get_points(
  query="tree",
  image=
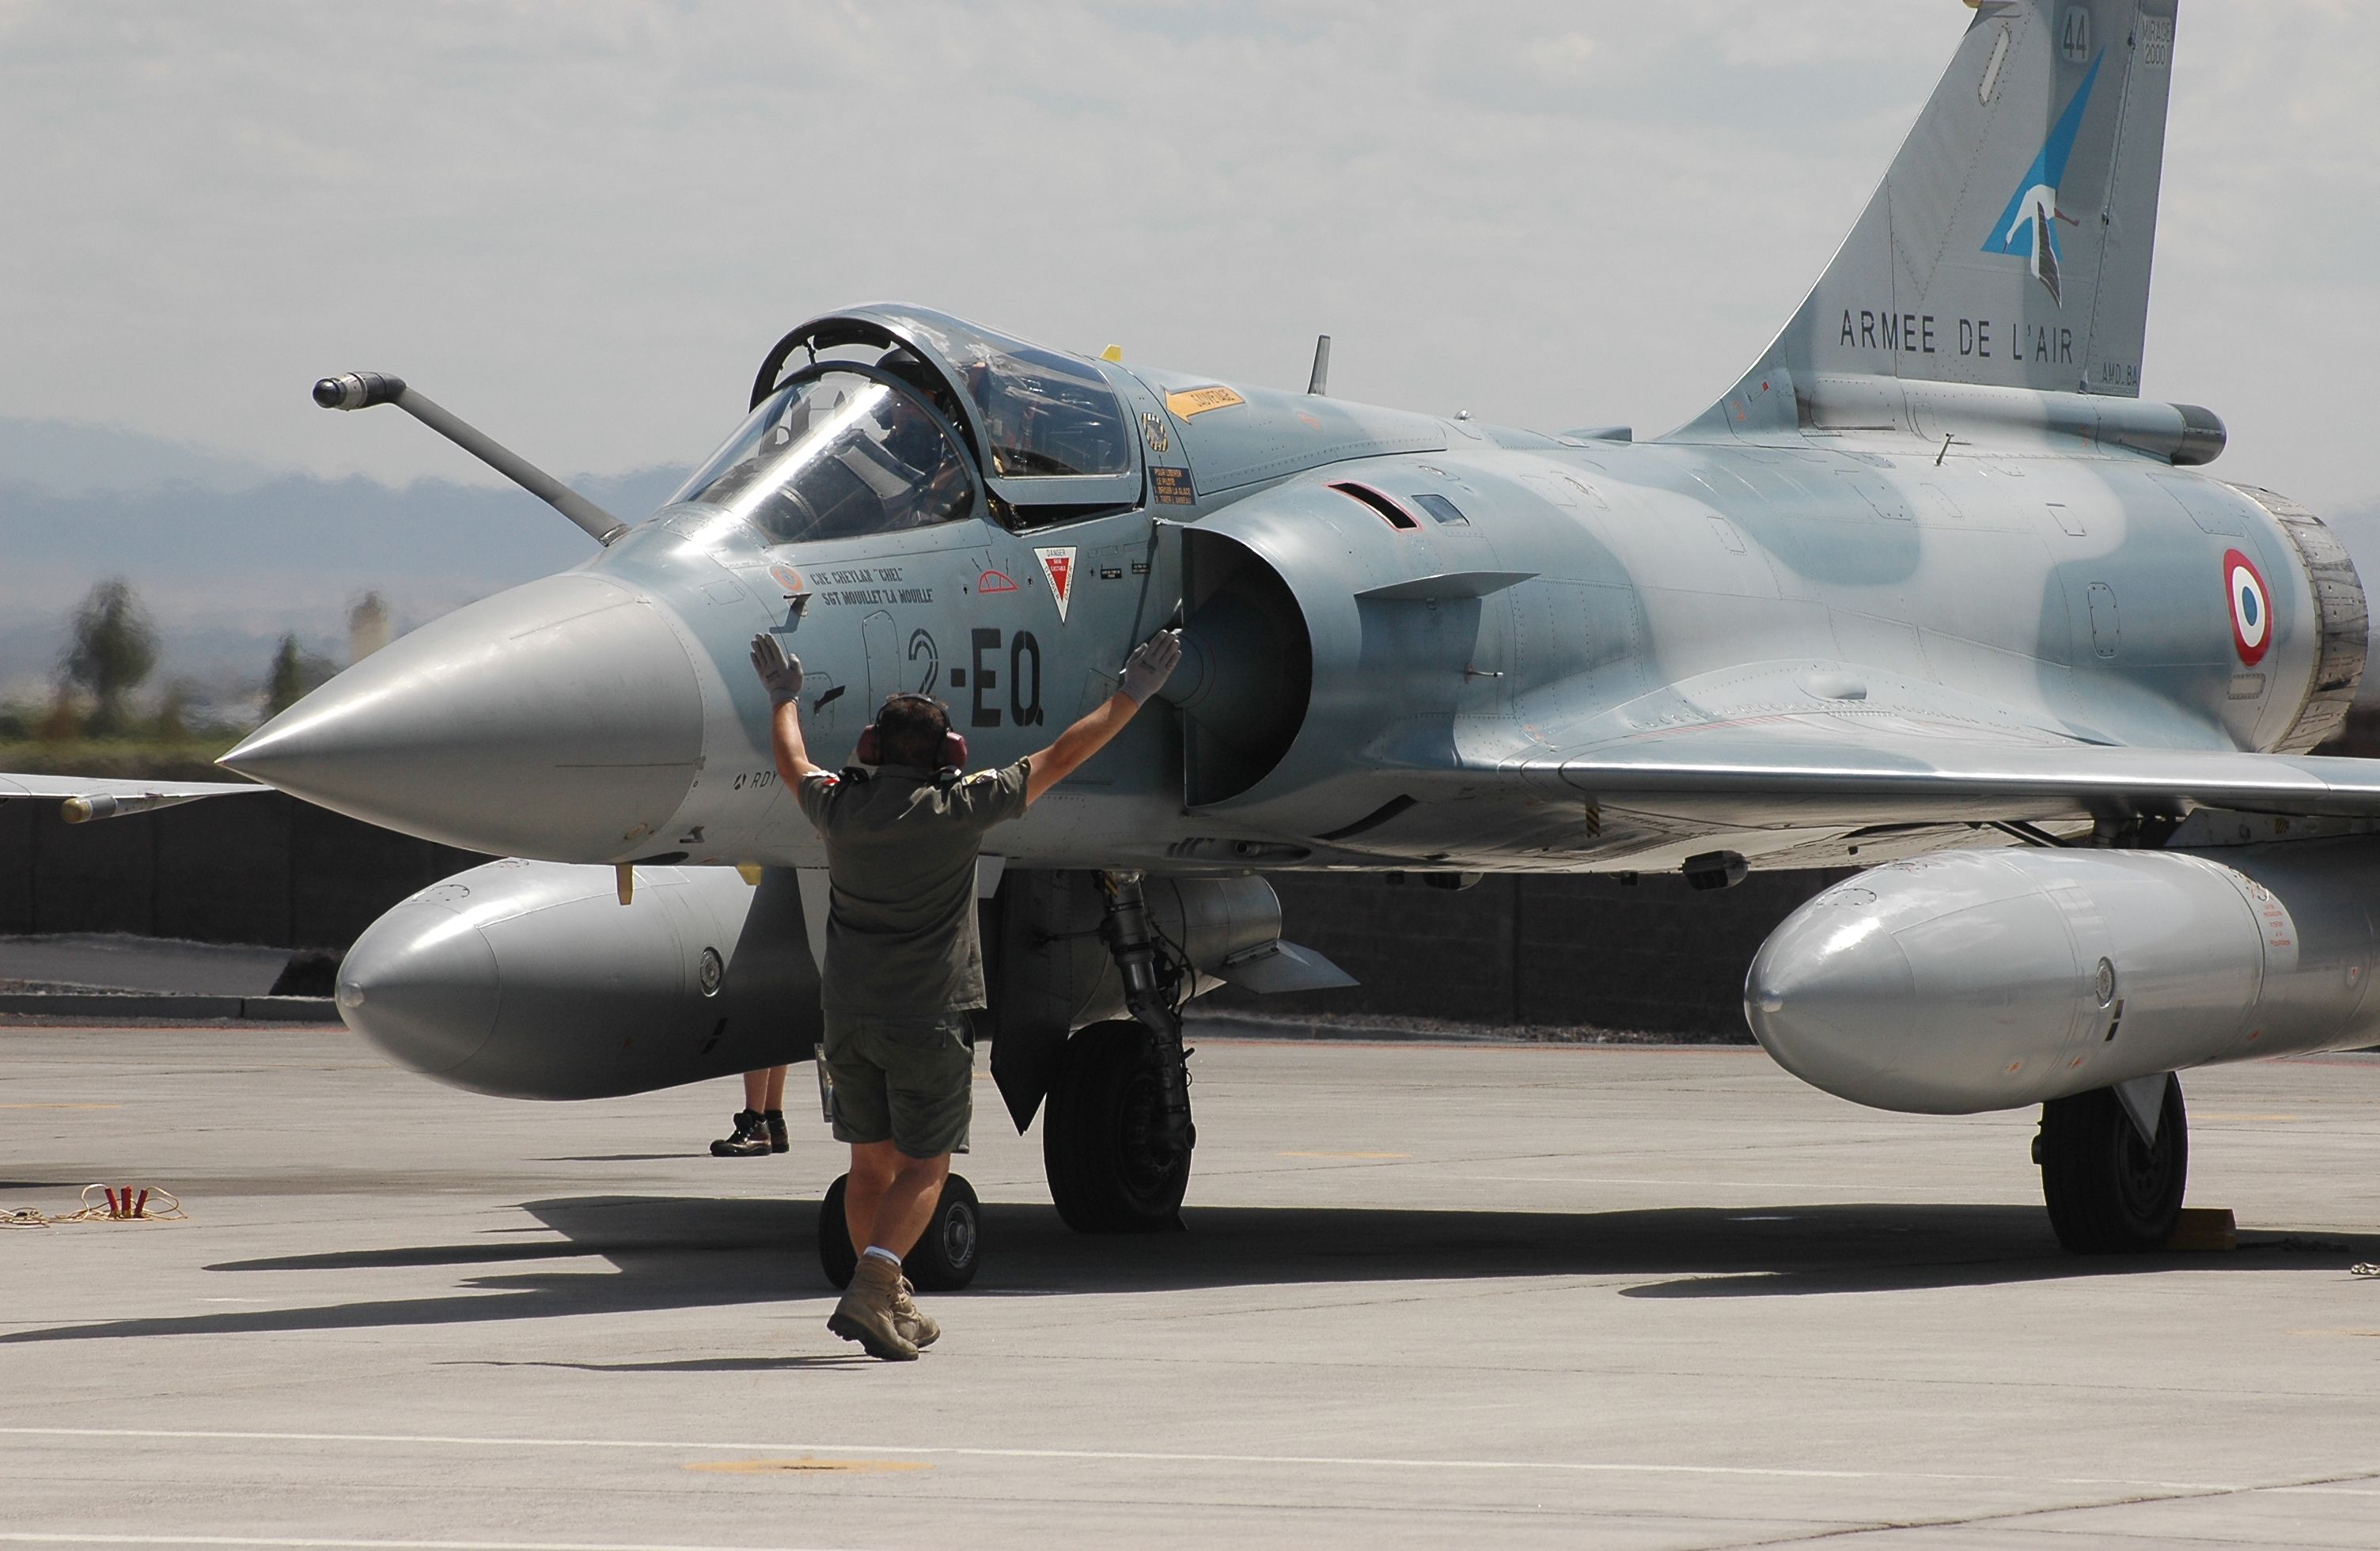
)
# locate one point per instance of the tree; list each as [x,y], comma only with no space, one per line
[172,722]
[114,647]
[295,674]
[366,627]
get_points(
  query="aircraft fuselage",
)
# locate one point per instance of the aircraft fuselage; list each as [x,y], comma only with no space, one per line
[1462,603]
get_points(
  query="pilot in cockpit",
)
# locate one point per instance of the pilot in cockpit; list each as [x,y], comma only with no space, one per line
[925,459]
[834,454]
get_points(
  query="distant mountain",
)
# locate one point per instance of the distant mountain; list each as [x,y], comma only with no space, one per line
[64,455]
[228,555]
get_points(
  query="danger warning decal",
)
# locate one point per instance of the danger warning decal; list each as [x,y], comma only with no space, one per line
[1197,401]
[2251,607]
[1059,566]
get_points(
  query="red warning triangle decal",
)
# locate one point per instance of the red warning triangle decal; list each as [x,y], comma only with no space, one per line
[1058,564]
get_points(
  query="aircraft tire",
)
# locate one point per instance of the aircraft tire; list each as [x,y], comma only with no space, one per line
[1098,1132]
[949,1253]
[2107,1192]
[945,1257]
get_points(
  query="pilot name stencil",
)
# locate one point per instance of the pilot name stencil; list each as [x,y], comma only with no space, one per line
[851,595]
[854,595]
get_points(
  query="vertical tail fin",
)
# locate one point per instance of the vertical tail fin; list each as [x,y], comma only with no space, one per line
[2009,244]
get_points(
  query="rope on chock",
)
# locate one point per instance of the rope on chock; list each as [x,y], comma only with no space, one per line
[125,1203]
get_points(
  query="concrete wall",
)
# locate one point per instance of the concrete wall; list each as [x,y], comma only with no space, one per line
[1658,956]
[270,871]
[265,869]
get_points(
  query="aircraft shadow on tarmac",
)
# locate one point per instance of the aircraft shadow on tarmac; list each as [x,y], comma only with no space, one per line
[674,1253]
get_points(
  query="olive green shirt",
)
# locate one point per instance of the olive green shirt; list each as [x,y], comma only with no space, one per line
[899,857]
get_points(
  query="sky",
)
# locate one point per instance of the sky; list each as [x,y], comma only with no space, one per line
[580,225]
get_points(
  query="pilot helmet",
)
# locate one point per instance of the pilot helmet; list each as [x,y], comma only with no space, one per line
[920,376]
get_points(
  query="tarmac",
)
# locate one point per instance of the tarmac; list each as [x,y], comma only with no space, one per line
[1428,1295]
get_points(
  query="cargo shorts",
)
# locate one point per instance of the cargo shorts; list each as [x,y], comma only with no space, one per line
[907,1080]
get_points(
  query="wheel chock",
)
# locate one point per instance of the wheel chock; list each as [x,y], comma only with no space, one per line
[2203,1229]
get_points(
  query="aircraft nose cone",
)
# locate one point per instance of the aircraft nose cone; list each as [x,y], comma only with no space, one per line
[561,720]
[423,984]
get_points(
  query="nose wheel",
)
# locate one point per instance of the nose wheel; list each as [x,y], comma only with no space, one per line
[1116,1134]
[2109,1190]
[1115,1164]
[945,1257]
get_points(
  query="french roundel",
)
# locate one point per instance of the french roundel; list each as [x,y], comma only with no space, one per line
[2251,607]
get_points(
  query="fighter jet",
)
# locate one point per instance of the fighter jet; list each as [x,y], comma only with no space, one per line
[1932,582]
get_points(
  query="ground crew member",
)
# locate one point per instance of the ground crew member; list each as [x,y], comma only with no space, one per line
[903,965]
[760,1124]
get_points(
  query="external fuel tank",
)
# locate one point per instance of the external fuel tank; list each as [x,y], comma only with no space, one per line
[534,980]
[1990,979]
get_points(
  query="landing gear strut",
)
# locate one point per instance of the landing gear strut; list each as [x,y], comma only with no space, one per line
[1116,1135]
[2109,1190]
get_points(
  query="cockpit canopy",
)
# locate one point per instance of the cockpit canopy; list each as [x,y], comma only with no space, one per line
[1046,434]
[1042,415]
[837,453]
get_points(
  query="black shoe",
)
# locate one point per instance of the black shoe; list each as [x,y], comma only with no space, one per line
[751,1138]
[778,1142]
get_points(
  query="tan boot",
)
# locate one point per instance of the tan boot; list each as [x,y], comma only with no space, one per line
[866,1313]
[910,1320]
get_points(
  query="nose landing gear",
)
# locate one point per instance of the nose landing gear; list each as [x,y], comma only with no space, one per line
[2113,1183]
[1116,1134]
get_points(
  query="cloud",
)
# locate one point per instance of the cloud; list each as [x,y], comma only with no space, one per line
[1564,58]
[580,225]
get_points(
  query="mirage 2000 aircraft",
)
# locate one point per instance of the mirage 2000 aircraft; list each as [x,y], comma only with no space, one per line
[1932,580]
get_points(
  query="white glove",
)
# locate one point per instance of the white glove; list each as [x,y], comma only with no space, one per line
[1150,664]
[780,675]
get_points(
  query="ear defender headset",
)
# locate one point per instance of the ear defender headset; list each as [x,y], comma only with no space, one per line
[871,740]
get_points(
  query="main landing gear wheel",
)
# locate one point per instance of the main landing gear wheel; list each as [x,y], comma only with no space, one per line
[945,1257]
[2109,1191]
[1101,1135]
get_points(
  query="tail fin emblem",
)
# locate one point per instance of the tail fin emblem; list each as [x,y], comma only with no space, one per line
[2028,225]
[2044,249]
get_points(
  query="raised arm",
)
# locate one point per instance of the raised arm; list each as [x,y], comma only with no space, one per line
[781,677]
[1145,673]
